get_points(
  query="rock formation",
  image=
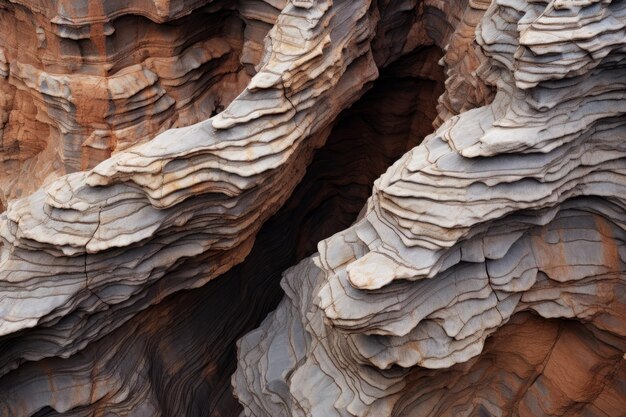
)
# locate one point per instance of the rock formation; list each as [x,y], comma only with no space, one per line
[484,276]
[81,80]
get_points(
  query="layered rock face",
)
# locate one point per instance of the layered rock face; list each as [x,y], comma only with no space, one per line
[82,80]
[484,276]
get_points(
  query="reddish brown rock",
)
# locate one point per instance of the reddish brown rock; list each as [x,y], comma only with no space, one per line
[81,81]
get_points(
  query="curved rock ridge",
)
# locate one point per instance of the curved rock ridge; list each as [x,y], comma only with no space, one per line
[187,192]
[485,275]
[519,205]
[84,254]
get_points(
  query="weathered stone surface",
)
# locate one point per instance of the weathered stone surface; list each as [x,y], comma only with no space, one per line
[182,350]
[85,254]
[484,276]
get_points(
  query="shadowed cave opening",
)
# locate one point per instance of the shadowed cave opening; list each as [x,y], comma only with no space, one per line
[189,340]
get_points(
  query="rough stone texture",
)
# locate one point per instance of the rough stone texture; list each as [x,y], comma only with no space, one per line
[182,350]
[81,80]
[484,276]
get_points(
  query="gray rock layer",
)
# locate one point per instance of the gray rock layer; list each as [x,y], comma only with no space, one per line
[484,276]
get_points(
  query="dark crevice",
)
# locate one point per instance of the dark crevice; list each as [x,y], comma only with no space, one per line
[45,412]
[391,118]
[188,341]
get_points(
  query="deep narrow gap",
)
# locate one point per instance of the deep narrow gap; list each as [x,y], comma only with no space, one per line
[391,118]
[189,339]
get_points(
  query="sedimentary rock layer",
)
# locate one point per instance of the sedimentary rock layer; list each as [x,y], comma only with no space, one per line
[81,80]
[176,358]
[516,206]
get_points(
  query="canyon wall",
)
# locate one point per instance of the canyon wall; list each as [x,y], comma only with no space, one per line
[162,163]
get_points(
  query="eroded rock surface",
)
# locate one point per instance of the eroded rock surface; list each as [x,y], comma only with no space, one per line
[82,80]
[487,258]
[83,256]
